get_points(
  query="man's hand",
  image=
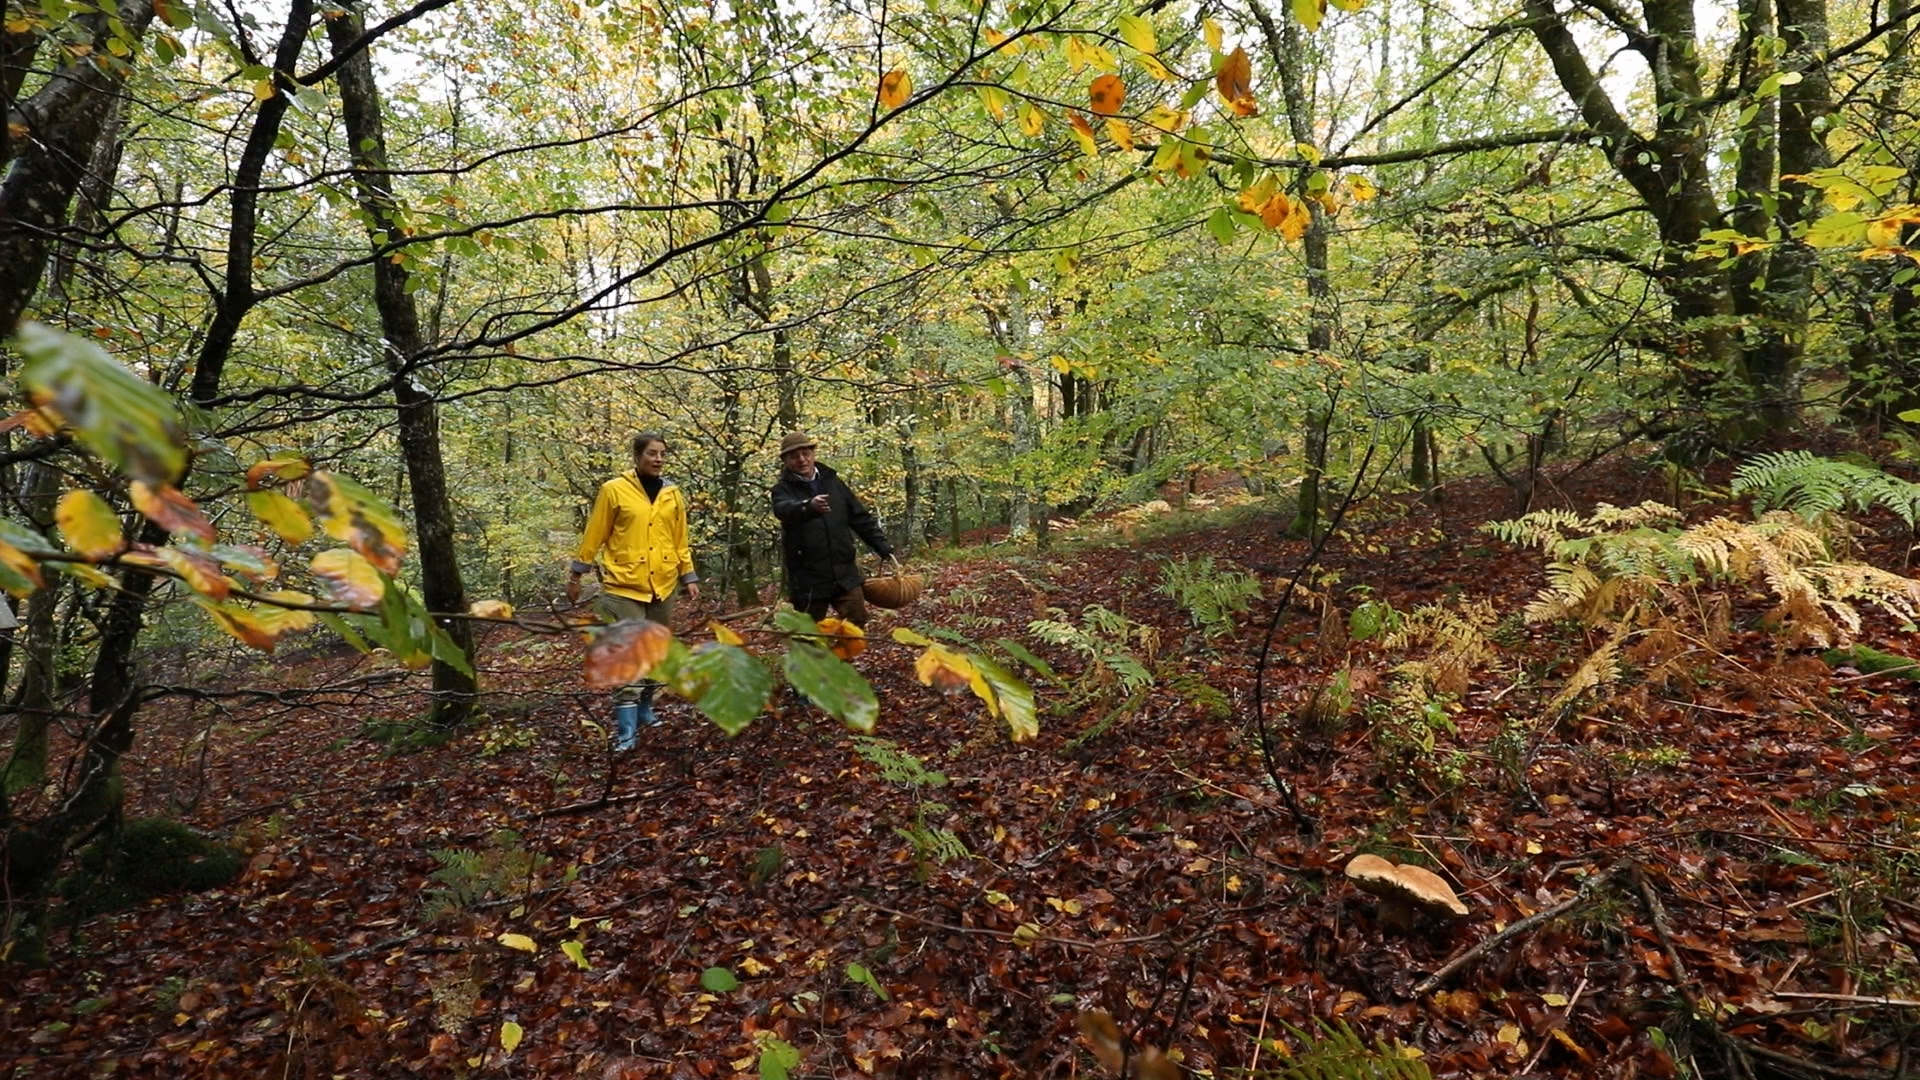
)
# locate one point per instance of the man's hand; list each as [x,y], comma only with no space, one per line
[819,504]
[693,591]
[573,588]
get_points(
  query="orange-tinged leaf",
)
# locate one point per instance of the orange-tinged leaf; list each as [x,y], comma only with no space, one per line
[89,525]
[1168,120]
[1257,193]
[242,624]
[283,620]
[249,560]
[993,37]
[1107,93]
[1083,134]
[358,518]
[1294,226]
[490,609]
[1883,233]
[724,634]
[1276,210]
[1121,133]
[1152,1063]
[1032,120]
[1234,80]
[284,516]
[625,652]
[276,471]
[895,88]
[200,572]
[844,638]
[351,580]
[166,507]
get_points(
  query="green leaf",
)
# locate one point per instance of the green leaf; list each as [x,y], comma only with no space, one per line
[1021,653]
[858,973]
[833,685]
[1195,92]
[127,421]
[728,684]
[778,1058]
[1220,224]
[1309,13]
[577,953]
[910,637]
[794,621]
[1911,416]
[510,1036]
[719,980]
[1013,699]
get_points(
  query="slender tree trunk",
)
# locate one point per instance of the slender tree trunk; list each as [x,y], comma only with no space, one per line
[419,429]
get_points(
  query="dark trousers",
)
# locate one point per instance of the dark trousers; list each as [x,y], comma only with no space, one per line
[850,605]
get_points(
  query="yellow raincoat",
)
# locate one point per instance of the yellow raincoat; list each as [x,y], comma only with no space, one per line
[641,543]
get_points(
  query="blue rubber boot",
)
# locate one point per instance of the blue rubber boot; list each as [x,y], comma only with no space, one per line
[626,719]
[647,716]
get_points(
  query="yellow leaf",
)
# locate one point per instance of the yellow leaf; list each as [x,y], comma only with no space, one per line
[1362,188]
[1026,934]
[263,90]
[844,638]
[23,565]
[510,1036]
[1121,134]
[280,620]
[1309,13]
[241,623]
[753,967]
[1106,94]
[1883,233]
[490,609]
[1156,69]
[1349,5]
[274,471]
[577,953]
[1167,155]
[1168,120]
[1138,33]
[994,37]
[89,524]
[351,580]
[945,670]
[1508,1034]
[1032,121]
[1556,1001]
[200,573]
[518,941]
[724,634]
[1060,363]
[1212,31]
[281,514]
[358,518]
[1256,194]
[895,88]
[1077,57]
[995,100]
[1083,133]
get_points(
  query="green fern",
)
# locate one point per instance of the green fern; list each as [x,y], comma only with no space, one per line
[896,765]
[1212,597]
[1813,486]
[1338,1053]
[1108,640]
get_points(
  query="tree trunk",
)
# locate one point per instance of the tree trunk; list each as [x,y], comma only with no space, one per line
[419,429]
[62,122]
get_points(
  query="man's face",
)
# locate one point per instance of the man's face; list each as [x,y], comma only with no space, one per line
[800,461]
[652,460]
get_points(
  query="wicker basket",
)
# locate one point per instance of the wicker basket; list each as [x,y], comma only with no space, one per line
[893,589]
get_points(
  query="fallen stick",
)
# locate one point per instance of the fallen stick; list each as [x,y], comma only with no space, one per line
[1452,967]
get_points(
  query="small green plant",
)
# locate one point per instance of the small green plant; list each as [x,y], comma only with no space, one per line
[468,877]
[1118,649]
[931,844]
[146,857]
[1214,597]
[506,736]
[1337,1052]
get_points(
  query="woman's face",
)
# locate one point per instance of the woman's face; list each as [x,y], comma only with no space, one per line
[652,460]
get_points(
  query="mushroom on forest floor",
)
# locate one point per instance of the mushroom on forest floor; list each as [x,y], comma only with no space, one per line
[1404,891]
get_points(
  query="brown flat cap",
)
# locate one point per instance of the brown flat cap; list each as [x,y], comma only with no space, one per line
[795,440]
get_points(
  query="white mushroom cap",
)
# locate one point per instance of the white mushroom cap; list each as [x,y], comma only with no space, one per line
[1371,872]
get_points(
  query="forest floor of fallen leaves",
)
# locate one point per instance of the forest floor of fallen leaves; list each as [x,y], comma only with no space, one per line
[1711,874]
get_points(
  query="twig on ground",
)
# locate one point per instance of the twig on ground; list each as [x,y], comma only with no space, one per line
[1453,967]
[1854,999]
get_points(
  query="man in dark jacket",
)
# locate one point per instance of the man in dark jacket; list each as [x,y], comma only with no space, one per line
[819,516]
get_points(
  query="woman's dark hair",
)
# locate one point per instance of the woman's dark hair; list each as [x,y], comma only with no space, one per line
[646,439]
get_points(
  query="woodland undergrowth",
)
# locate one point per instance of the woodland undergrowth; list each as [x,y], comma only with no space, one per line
[1685,840]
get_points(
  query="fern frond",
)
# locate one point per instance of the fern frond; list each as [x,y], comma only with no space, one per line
[1811,486]
[1600,669]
